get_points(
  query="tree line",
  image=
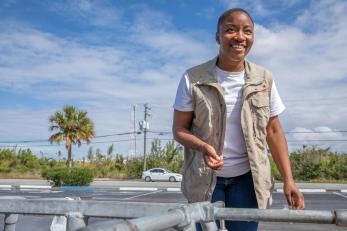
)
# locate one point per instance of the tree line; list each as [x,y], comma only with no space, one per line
[24,163]
[308,164]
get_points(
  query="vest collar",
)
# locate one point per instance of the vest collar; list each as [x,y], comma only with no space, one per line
[210,75]
[253,77]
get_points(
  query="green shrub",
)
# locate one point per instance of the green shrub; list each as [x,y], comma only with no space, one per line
[55,176]
[134,167]
[21,168]
[27,159]
[66,177]
[5,170]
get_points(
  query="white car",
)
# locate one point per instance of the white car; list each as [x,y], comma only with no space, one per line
[161,174]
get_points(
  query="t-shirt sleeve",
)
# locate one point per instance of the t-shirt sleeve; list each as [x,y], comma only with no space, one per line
[183,100]
[277,106]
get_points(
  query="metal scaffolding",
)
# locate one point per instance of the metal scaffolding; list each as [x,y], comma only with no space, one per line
[137,216]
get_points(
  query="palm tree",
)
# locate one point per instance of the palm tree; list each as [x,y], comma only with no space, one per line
[73,126]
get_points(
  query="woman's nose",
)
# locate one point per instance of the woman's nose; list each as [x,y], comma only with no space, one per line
[239,36]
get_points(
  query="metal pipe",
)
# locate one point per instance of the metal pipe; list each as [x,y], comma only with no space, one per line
[341,217]
[149,223]
[112,225]
[11,218]
[275,215]
[75,221]
[162,222]
[10,222]
[112,209]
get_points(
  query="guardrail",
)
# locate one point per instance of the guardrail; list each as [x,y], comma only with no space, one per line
[154,216]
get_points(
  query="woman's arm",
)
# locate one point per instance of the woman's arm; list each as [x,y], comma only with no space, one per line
[181,132]
[279,151]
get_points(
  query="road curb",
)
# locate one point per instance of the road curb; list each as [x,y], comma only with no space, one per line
[170,189]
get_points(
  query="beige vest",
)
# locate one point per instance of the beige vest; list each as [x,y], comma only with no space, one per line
[209,125]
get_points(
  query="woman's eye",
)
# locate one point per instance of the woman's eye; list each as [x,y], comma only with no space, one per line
[230,30]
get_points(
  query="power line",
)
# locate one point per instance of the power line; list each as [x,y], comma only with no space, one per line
[46,140]
[61,145]
[163,133]
[315,140]
[341,131]
[315,99]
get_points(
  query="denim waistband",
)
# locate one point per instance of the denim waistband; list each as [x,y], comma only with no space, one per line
[235,177]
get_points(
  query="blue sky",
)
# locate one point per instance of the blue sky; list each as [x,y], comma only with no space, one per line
[104,56]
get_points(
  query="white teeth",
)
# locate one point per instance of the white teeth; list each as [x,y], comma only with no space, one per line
[237,46]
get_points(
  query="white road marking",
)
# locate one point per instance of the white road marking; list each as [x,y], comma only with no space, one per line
[128,198]
[137,189]
[339,194]
[35,186]
[344,190]
[313,190]
[173,190]
[306,190]
[5,186]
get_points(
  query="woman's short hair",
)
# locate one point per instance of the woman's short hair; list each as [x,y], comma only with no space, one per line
[230,11]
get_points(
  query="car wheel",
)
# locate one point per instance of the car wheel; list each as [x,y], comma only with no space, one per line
[148,179]
[172,179]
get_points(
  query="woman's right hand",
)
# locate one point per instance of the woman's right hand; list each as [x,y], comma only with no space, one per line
[211,158]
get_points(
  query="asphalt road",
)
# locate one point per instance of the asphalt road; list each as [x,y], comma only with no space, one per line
[111,183]
[314,201]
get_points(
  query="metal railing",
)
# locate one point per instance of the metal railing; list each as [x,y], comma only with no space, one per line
[142,216]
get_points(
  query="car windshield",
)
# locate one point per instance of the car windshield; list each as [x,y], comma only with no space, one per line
[168,171]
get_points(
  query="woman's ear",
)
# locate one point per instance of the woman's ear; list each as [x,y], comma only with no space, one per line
[217,37]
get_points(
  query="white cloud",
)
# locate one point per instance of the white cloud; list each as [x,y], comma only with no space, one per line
[259,7]
[97,13]
[318,133]
[154,30]
[322,137]
[307,65]
[104,80]
[328,15]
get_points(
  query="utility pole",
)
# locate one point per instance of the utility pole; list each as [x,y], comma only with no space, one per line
[134,126]
[145,126]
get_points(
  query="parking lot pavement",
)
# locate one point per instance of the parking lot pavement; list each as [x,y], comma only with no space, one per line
[117,184]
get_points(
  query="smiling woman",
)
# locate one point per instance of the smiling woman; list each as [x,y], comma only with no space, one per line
[226,110]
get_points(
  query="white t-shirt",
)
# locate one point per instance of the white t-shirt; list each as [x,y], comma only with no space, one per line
[234,153]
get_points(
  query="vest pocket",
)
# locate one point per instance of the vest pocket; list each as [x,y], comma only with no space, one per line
[195,177]
[260,107]
[260,100]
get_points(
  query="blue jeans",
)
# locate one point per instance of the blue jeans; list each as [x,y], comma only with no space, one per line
[236,192]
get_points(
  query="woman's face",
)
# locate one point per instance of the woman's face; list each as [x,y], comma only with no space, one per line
[235,37]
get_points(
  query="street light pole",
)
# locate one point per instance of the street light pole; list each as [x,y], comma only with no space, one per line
[145,127]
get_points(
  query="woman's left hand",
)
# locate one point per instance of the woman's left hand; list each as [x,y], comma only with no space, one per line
[294,197]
